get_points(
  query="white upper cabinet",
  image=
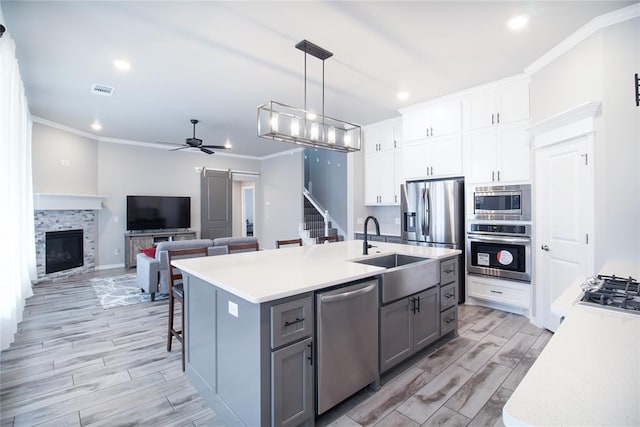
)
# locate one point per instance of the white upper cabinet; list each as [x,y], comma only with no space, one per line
[433,158]
[432,120]
[382,174]
[502,104]
[500,154]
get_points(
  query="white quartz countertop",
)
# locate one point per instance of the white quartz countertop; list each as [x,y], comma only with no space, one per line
[277,273]
[589,372]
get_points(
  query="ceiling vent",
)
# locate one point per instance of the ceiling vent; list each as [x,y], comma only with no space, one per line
[103,90]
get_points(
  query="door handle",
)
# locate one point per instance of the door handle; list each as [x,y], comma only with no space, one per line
[544,248]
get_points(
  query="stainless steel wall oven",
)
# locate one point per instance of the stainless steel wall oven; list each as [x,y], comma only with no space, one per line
[500,250]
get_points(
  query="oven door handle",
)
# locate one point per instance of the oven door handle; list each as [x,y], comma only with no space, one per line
[501,239]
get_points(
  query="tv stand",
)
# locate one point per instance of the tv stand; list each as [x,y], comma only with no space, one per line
[136,240]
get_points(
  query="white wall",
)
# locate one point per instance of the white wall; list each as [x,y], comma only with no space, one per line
[281,199]
[63,162]
[601,68]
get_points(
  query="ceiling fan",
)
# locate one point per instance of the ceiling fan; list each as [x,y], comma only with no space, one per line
[194,142]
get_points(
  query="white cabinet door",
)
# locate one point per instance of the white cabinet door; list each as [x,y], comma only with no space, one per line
[514,154]
[380,179]
[415,159]
[381,136]
[434,120]
[447,156]
[512,102]
[477,109]
[480,155]
[433,158]
[498,154]
[499,105]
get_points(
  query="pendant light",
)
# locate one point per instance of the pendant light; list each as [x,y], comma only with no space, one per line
[280,122]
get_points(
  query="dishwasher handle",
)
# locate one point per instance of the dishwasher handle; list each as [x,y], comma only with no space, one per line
[347,295]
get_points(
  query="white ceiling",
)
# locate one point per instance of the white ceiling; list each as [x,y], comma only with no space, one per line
[217,61]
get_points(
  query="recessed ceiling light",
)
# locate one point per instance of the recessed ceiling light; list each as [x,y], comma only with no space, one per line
[96,125]
[402,95]
[517,22]
[227,144]
[121,64]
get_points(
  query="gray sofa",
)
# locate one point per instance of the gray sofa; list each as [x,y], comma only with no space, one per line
[152,273]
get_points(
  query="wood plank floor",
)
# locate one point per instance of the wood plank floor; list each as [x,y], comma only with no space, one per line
[74,363]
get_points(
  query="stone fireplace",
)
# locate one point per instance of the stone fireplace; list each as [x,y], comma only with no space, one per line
[58,216]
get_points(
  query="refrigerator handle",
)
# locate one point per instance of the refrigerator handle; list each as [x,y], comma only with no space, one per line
[421,213]
[428,212]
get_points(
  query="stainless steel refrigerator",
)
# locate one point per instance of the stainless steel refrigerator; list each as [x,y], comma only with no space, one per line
[433,215]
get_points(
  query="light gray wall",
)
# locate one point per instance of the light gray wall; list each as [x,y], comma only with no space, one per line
[281,198]
[327,172]
[63,162]
[601,68]
[129,170]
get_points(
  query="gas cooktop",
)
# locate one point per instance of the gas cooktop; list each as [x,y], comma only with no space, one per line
[611,292]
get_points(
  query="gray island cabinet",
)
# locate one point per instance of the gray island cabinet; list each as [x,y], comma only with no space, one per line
[252,362]
[250,325]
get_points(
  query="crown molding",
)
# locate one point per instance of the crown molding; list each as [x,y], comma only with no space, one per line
[65,128]
[596,24]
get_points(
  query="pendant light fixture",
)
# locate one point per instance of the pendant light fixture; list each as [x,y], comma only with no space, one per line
[281,122]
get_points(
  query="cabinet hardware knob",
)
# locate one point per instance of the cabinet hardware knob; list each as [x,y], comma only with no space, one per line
[544,248]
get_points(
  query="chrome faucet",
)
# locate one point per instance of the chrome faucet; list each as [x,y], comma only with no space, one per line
[365,244]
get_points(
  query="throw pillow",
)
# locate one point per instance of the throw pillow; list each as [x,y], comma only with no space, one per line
[150,252]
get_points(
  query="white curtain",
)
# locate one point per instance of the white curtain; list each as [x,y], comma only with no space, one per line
[17,250]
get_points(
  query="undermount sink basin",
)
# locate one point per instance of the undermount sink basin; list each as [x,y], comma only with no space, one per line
[391,261]
[404,275]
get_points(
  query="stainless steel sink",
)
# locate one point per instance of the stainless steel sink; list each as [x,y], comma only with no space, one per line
[391,261]
[404,274]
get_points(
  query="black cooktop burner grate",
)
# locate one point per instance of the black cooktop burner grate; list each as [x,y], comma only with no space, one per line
[618,292]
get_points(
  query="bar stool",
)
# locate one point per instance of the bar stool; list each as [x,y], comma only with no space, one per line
[176,292]
[288,242]
[327,239]
[243,247]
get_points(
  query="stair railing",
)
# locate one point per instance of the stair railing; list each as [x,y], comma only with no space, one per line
[322,211]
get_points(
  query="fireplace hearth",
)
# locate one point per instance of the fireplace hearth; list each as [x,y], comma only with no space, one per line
[64,250]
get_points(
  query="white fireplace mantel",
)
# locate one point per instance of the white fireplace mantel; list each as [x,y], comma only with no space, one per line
[55,201]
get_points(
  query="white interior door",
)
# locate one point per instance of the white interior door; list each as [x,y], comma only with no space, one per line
[563,215]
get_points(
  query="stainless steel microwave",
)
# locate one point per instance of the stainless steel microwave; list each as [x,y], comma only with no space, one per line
[502,202]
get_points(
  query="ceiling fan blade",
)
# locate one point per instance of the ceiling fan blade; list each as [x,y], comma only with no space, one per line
[217,147]
[180,148]
[205,150]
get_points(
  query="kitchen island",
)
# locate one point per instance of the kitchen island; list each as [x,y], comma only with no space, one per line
[589,372]
[249,324]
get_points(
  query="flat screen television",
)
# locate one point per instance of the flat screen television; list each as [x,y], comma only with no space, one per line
[158,212]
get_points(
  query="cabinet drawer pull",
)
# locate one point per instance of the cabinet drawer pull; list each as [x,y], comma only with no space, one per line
[449,295]
[448,320]
[496,292]
[286,323]
[449,271]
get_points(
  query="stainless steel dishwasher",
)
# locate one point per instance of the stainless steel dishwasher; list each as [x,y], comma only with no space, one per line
[347,341]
